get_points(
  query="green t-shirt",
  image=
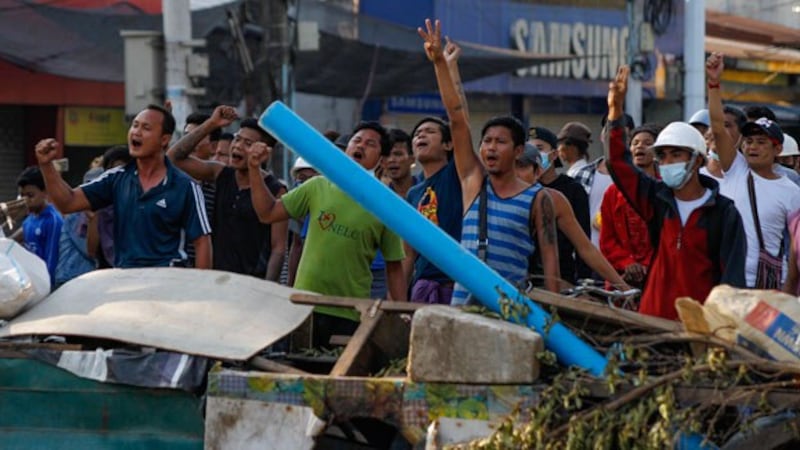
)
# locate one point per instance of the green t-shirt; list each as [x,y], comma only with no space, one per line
[341,243]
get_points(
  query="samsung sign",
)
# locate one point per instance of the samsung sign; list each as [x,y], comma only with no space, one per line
[597,50]
[593,41]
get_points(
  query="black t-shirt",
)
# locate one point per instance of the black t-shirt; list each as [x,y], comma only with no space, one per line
[571,266]
[239,238]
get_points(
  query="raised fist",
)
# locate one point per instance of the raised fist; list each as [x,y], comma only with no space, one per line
[223,115]
[46,151]
[258,153]
[714,67]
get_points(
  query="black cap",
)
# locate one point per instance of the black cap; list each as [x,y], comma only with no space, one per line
[764,126]
[543,134]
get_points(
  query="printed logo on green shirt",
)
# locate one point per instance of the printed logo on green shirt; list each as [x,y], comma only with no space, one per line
[327,222]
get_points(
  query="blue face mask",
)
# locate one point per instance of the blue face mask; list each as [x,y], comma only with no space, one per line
[713,155]
[674,175]
[545,161]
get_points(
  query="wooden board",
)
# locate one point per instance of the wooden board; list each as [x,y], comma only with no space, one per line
[202,312]
[381,336]
[356,303]
[603,312]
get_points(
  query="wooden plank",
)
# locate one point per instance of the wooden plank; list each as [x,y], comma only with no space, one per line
[356,303]
[779,399]
[17,349]
[39,346]
[603,312]
[272,366]
[355,358]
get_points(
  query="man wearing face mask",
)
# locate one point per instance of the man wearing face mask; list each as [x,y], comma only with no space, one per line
[697,233]
[572,266]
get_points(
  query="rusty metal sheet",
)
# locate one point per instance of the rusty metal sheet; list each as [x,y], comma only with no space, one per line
[202,312]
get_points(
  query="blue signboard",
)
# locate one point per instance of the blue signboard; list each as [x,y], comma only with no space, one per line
[430,104]
[596,39]
[411,13]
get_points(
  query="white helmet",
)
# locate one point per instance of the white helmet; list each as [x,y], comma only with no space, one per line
[681,134]
[789,146]
[299,164]
[701,117]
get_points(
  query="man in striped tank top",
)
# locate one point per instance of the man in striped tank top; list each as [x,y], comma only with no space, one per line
[515,209]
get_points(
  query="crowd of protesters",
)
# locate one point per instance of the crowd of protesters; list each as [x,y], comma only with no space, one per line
[672,210]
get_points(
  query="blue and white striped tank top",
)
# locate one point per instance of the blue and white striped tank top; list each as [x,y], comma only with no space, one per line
[508,232]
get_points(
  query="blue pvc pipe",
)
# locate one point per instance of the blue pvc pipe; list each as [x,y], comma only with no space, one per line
[420,233]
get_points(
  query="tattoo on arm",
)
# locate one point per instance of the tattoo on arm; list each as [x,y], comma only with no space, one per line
[548,219]
[462,95]
[185,145]
[182,149]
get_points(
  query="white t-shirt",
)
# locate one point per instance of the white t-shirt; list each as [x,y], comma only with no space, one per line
[704,171]
[686,207]
[576,166]
[775,199]
[600,183]
[793,176]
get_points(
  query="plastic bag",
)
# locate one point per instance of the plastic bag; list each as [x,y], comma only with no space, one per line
[763,321]
[24,279]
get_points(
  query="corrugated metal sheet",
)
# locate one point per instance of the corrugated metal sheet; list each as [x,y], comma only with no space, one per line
[43,407]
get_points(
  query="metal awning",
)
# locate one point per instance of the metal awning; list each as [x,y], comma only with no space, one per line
[781,59]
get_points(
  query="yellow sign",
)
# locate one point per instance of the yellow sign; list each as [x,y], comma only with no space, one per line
[94,127]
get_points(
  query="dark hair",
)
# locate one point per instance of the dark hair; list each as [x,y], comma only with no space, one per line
[386,144]
[197,118]
[444,128]
[114,154]
[331,135]
[263,135]
[168,123]
[215,134]
[626,117]
[398,136]
[31,176]
[741,119]
[651,128]
[226,136]
[513,125]
[754,112]
[582,146]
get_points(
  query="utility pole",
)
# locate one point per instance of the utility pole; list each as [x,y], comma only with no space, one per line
[633,98]
[694,39]
[177,50]
[277,19]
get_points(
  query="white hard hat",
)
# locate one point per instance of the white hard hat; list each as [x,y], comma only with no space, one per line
[299,164]
[700,117]
[681,134]
[789,146]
